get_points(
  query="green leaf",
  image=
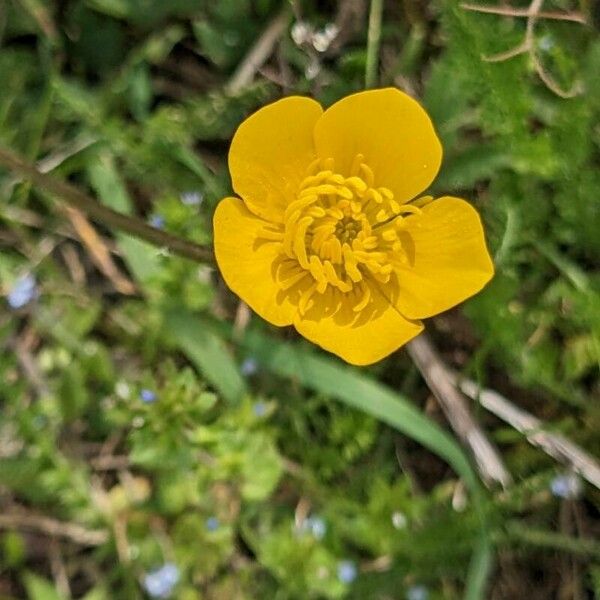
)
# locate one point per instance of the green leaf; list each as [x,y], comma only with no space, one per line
[477,163]
[261,468]
[18,473]
[329,376]
[40,589]
[142,258]
[208,352]
[145,13]
[13,549]
[73,392]
[97,593]
[479,569]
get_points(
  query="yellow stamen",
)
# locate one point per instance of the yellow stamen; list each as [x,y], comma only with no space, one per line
[357,164]
[299,242]
[367,174]
[331,233]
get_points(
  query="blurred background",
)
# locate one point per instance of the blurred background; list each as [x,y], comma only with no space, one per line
[148,449]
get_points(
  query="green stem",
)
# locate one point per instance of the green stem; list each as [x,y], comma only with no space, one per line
[569,269]
[101,213]
[373,40]
[552,540]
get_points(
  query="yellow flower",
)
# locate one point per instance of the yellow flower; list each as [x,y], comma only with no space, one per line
[330,235]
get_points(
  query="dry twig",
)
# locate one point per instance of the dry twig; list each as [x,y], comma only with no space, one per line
[259,53]
[444,382]
[54,528]
[59,569]
[554,444]
[81,201]
[99,251]
[243,315]
[441,382]
[527,46]
[507,11]
[110,462]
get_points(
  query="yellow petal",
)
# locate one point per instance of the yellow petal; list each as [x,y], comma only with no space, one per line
[448,259]
[270,152]
[391,130]
[367,338]
[246,260]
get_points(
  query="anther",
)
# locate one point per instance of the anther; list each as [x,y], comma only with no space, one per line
[386,193]
[357,183]
[381,216]
[314,165]
[367,175]
[299,244]
[357,164]
[373,193]
[312,180]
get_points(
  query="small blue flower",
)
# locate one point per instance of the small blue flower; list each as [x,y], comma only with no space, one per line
[546,43]
[191,198]
[23,291]
[170,574]
[318,527]
[157,221]
[314,525]
[259,409]
[417,592]
[160,582]
[566,486]
[249,367]
[212,523]
[147,396]
[346,571]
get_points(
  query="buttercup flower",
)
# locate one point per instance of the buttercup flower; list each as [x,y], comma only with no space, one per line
[331,235]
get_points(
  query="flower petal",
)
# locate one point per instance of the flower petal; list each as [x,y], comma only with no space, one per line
[372,335]
[270,152]
[391,130]
[246,260]
[450,262]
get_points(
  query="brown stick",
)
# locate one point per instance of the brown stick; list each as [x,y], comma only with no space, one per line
[98,250]
[48,526]
[101,213]
[554,444]
[441,382]
[259,53]
[507,11]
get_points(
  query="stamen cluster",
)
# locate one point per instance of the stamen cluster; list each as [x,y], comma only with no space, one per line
[340,235]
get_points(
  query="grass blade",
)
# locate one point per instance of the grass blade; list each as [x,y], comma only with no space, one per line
[207,350]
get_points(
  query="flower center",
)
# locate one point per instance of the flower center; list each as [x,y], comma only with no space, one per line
[341,235]
[346,230]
